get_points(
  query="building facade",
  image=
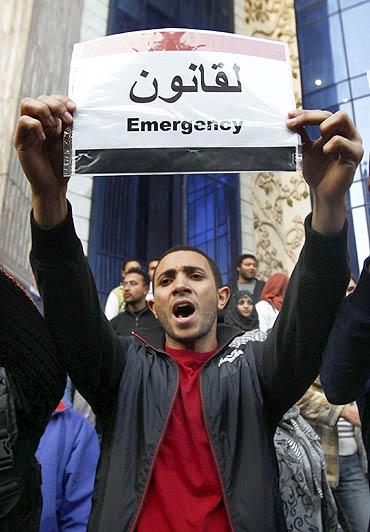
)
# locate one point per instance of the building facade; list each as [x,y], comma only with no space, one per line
[335,66]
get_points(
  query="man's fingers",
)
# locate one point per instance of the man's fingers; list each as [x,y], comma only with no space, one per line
[350,151]
[301,118]
[60,106]
[26,127]
[330,124]
[339,124]
[48,109]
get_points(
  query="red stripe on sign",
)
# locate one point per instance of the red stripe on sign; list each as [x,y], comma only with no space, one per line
[183,40]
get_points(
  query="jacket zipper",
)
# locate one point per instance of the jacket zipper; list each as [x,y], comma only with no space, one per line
[149,477]
[212,448]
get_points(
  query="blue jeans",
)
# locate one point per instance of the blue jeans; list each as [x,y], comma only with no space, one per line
[352,494]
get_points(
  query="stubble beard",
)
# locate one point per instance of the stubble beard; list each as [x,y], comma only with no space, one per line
[205,324]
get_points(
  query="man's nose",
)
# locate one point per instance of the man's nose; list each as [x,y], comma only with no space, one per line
[181,284]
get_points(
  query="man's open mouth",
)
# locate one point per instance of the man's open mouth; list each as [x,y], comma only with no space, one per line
[183,310]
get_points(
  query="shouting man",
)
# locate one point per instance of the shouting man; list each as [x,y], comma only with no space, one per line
[188,422]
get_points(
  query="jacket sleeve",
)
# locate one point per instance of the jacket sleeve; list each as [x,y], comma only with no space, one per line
[78,482]
[29,354]
[345,369]
[89,350]
[315,407]
[288,361]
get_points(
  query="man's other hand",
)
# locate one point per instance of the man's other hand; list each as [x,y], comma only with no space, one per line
[38,140]
[351,414]
[329,163]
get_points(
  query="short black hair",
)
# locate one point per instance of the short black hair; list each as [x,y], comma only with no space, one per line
[144,275]
[243,257]
[182,247]
[124,264]
[157,259]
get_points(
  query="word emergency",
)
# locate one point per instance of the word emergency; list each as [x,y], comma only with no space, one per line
[186,127]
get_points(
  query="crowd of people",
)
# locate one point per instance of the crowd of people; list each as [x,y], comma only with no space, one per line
[190,404]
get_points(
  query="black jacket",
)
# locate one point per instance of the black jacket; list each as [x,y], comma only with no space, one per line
[131,383]
[127,321]
[35,382]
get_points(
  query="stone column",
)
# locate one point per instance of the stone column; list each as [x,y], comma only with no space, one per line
[280,200]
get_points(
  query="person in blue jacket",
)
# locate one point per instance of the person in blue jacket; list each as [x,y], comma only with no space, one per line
[68,453]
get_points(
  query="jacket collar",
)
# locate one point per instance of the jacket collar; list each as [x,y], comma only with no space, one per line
[154,336]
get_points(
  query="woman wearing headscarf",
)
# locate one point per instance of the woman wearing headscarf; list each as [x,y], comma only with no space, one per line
[271,300]
[241,312]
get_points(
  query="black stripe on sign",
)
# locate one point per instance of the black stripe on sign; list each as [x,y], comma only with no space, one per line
[184,160]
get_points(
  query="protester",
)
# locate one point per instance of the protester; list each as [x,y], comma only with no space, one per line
[137,314]
[176,454]
[241,313]
[30,389]
[345,370]
[340,435]
[68,453]
[116,300]
[246,269]
[304,488]
[271,300]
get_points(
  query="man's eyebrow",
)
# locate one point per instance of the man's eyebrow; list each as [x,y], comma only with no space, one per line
[171,272]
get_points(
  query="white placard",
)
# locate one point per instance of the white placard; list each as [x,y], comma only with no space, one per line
[181,101]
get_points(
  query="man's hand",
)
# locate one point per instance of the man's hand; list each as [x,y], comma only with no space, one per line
[329,163]
[39,144]
[351,414]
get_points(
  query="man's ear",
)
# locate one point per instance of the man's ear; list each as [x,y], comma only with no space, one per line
[223,297]
[151,305]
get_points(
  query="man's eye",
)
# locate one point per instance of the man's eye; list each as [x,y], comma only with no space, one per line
[165,281]
[196,276]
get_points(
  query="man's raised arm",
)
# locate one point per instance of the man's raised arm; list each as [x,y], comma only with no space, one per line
[90,351]
[290,357]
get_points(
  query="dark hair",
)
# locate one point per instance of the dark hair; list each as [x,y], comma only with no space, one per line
[157,259]
[124,264]
[144,275]
[215,270]
[243,257]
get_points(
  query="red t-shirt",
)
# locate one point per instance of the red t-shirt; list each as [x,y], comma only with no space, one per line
[185,491]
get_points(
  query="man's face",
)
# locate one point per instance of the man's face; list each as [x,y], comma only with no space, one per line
[151,268]
[134,289]
[245,307]
[248,269]
[186,298]
[129,265]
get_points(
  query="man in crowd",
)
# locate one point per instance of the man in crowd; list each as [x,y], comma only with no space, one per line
[116,299]
[188,422]
[246,268]
[137,313]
